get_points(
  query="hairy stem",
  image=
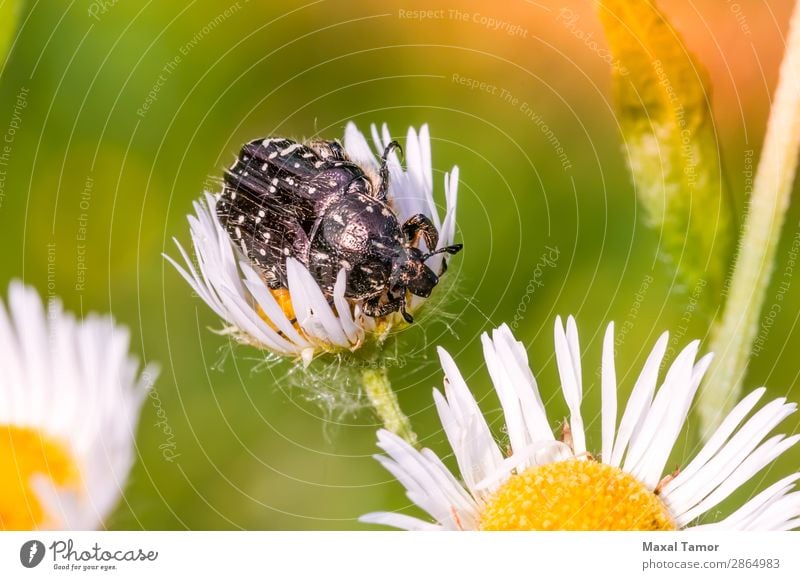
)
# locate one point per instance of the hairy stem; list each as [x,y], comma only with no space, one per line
[384,401]
[733,338]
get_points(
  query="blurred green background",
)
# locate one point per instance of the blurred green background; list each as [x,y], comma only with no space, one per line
[123,112]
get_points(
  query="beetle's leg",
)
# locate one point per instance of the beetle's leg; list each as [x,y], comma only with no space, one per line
[373,307]
[406,316]
[420,226]
[384,171]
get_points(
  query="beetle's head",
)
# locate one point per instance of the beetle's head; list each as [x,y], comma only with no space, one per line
[409,271]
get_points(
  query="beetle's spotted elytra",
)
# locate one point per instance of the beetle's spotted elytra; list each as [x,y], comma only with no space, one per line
[309,201]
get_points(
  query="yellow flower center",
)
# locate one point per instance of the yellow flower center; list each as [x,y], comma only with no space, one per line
[284,301]
[574,495]
[24,453]
[281,296]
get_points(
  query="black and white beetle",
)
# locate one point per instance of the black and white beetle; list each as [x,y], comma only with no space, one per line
[284,199]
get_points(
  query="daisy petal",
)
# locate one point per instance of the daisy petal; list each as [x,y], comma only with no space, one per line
[753,508]
[639,401]
[765,454]
[720,436]
[429,484]
[608,394]
[730,456]
[568,359]
[518,434]
[266,301]
[782,514]
[354,334]
[314,314]
[399,521]
[652,464]
[514,360]
[357,147]
[469,436]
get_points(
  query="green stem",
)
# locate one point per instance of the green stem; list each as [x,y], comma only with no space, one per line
[733,337]
[384,401]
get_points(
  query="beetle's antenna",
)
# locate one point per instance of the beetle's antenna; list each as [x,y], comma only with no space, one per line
[384,171]
[454,249]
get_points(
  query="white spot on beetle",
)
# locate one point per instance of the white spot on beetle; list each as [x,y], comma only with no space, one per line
[272,189]
[263,252]
[290,148]
[273,155]
[312,189]
[332,183]
[274,181]
[261,213]
[240,219]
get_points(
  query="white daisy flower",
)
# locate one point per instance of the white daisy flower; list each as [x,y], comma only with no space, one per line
[300,320]
[548,484]
[70,396]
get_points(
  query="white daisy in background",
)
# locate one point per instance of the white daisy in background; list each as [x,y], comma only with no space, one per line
[549,484]
[299,320]
[70,396]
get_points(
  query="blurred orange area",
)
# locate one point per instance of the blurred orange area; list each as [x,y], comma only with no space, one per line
[24,455]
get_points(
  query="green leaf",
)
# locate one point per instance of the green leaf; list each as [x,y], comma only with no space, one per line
[9,17]
[662,97]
